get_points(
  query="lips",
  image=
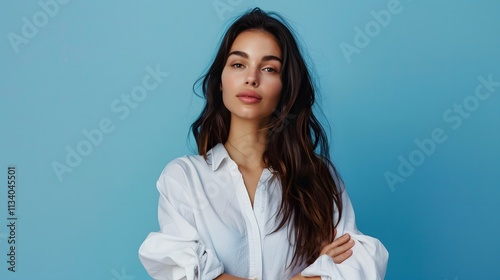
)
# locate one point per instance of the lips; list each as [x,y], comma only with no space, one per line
[249,97]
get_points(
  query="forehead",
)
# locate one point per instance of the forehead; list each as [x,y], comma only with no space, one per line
[257,42]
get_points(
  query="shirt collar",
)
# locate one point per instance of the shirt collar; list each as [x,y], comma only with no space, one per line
[217,155]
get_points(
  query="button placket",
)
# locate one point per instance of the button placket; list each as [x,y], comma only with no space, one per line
[253,229]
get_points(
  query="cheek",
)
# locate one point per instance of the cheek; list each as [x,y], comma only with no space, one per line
[223,79]
[275,89]
[227,80]
[225,88]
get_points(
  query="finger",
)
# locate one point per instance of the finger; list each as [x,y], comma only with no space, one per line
[342,257]
[337,242]
[341,249]
[332,238]
[341,240]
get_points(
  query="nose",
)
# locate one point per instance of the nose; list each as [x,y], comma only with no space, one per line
[251,78]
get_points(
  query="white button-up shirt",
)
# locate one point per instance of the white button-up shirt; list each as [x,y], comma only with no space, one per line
[208,226]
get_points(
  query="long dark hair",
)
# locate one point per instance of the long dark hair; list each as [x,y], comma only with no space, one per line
[297,146]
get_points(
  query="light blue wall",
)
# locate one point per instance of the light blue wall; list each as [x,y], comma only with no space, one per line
[381,94]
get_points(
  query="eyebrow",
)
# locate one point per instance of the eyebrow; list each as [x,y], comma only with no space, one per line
[265,58]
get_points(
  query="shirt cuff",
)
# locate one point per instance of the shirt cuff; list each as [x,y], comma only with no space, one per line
[324,267]
[169,257]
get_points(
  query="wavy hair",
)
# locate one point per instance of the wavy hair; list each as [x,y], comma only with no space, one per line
[297,147]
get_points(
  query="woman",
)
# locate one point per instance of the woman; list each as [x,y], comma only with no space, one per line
[258,202]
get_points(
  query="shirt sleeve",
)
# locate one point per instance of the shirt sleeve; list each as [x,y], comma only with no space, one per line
[176,252]
[369,258]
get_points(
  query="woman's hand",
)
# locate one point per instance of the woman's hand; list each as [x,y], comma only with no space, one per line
[340,249]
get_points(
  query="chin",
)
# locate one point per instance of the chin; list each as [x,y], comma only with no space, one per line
[250,116]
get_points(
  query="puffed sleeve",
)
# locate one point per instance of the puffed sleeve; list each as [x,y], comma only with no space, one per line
[369,258]
[176,252]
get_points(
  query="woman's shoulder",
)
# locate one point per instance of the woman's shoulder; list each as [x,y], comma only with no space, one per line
[190,164]
[183,164]
[180,173]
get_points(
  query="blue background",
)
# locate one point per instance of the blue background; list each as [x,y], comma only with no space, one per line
[439,223]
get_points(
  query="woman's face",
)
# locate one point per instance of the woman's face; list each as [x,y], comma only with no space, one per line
[251,79]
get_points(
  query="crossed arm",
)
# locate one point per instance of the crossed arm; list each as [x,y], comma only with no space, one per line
[339,250]
[169,255]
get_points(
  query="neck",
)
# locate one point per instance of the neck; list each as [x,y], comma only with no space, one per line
[246,143]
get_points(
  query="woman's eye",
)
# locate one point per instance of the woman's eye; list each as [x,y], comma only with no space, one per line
[269,69]
[237,65]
